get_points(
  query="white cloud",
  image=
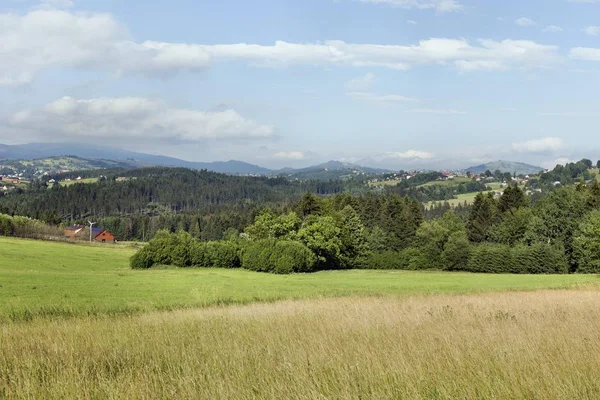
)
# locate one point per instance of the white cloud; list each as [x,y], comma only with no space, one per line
[360,84]
[584,1]
[132,118]
[46,38]
[592,30]
[552,28]
[440,6]
[437,111]
[405,155]
[557,161]
[524,21]
[539,145]
[291,155]
[386,99]
[49,4]
[585,53]
[410,21]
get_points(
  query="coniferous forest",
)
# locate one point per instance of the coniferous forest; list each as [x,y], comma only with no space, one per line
[203,219]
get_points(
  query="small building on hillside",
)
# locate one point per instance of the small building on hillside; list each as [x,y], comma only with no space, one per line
[82,232]
[102,235]
[73,231]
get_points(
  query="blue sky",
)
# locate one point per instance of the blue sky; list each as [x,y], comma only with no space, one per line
[391,83]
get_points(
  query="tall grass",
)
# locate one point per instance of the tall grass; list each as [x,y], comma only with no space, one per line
[538,345]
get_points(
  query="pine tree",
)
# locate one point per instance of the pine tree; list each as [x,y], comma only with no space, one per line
[512,199]
[481,217]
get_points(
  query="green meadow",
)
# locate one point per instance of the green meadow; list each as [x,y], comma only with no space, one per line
[61,279]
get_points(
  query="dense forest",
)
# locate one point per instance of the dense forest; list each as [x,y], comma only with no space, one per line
[557,234]
[199,218]
[146,200]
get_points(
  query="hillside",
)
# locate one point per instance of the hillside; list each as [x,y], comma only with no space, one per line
[53,165]
[330,170]
[505,166]
[45,150]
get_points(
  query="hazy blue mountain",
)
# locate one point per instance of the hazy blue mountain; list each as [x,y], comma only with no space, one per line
[42,150]
[505,166]
[334,166]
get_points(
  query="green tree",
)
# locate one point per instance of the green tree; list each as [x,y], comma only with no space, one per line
[309,205]
[593,201]
[456,252]
[586,244]
[352,234]
[512,198]
[266,226]
[322,235]
[481,217]
[512,228]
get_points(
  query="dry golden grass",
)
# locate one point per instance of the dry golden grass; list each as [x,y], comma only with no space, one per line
[537,345]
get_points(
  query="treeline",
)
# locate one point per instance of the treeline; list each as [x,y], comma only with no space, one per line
[558,234]
[161,198]
[317,234]
[436,192]
[30,228]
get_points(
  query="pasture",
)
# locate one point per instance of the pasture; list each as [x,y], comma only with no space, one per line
[62,279]
[534,345]
[76,322]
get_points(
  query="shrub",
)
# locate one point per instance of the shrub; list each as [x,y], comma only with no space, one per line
[143,259]
[490,258]
[291,257]
[386,260]
[278,256]
[222,255]
[456,252]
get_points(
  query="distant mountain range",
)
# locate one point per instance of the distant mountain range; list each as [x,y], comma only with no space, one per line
[42,150]
[505,166]
[94,154]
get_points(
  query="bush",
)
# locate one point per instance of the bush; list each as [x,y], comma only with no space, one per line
[456,252]
[143,259]
[490,258]
[539,258]
[386,260]
[278,256]
[222,255]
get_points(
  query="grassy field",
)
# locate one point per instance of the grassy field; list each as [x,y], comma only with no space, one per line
[84,180]
[61,279]
[536,345]
[76,322]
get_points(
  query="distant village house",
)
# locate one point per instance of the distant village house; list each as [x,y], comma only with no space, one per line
[79,232]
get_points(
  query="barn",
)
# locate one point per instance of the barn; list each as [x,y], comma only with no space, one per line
[102,235]
[72,231]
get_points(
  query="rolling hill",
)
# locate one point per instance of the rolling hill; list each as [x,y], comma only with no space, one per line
[33,151]
[505,166]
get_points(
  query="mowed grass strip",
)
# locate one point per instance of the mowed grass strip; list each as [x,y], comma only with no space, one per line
[526,345]
[51,279]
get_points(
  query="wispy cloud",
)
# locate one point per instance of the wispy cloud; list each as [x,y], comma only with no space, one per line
[524,21]
[360,84]
[135,118]
[383,99]
[539,145]
[440,6]
[290,155]
[592,30]
[552,28]
[437,111]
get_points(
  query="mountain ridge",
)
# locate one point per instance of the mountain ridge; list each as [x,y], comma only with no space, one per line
[505,166]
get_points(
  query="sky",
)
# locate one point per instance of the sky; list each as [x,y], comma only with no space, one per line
[387,83]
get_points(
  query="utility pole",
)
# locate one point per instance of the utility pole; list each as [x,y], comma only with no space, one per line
[91,225]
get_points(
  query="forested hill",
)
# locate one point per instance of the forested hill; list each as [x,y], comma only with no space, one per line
[150,191]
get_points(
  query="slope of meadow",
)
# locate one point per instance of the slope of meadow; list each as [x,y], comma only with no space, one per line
[59,279]
[535,345]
